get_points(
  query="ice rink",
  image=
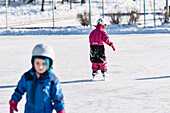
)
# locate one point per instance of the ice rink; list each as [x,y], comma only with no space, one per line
[139,72]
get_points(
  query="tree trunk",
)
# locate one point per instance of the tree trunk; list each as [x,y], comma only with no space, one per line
[42,8]
[70,4]
[30,1]
[83,1]
[62,1]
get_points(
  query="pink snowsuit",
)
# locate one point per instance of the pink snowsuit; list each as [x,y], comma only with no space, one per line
[96,38]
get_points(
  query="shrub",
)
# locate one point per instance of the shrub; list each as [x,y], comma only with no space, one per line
[166,17]
[84,18]
[116,18]
[134,17]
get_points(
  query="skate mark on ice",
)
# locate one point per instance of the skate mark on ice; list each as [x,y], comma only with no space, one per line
[65,82]
[77,81]
[81,81]
[150,78]
[10,86]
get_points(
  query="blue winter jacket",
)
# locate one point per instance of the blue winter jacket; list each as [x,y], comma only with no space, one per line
[42,95]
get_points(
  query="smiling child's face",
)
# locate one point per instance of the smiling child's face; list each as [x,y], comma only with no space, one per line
[40,65]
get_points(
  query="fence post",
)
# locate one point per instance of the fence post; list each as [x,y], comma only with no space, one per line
[53,13]
[167,12]
[144,14]
[154,14]
[103,7]
[90,12]
[6,4]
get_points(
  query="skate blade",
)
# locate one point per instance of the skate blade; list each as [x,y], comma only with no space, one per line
[98,78]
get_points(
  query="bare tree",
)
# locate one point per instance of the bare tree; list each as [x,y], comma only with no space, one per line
[83,1]
[62,1]
[30,1]
[70,4]
[42,6]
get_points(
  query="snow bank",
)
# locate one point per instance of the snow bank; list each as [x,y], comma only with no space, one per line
[112,29]
[24,16]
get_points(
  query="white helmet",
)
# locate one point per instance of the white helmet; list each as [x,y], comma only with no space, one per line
[43,50]
[100,21]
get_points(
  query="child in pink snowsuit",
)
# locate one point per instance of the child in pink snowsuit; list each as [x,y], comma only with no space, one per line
[97,50]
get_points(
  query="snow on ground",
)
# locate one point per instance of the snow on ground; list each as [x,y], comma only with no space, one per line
[22,15]
[29,15]
[139,72]
[111,29]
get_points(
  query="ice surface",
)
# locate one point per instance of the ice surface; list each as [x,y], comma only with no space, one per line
[138,81]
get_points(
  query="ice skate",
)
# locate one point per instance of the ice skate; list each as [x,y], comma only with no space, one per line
[94,73]
[104,74]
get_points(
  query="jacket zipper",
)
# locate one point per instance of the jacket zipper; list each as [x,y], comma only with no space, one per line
[43,98]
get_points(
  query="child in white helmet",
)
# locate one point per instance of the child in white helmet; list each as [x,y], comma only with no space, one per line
[42,87]
[97,50]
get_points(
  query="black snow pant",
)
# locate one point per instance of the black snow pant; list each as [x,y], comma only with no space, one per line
[97,53]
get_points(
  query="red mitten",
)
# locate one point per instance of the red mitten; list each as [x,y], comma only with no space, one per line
[62,111]
[13,106]
[113,47]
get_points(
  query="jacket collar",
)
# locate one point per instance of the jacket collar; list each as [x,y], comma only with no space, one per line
[48,74]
